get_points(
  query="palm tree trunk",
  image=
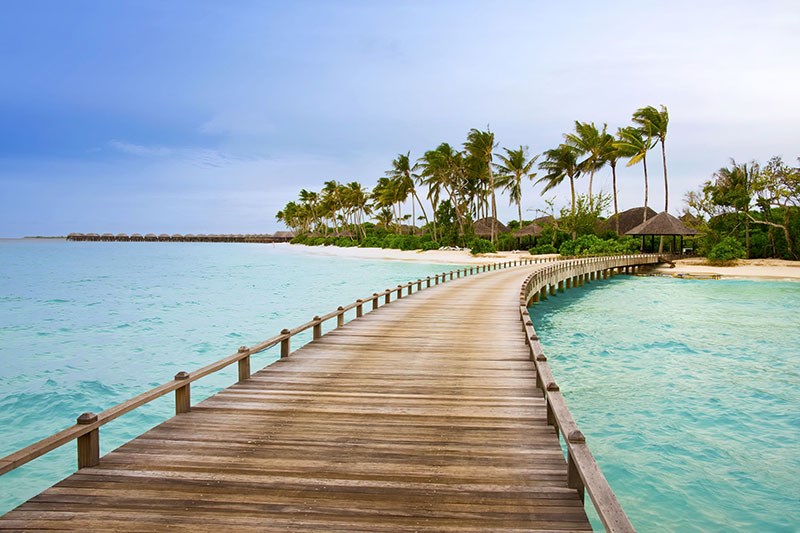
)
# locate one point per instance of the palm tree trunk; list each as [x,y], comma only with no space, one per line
[422,207]
[747,230]
[494,201]
[666,183]
[519,212]
[572,190]
[646,190]
[413,216]
[614,185]
[591,180]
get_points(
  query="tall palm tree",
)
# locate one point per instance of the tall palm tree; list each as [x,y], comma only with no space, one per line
[588,141]
[734,187]
[481,145]
[514,166]
[559,163]
[611,155]
[634,144]
[404,174]
[656,121]
[444,168]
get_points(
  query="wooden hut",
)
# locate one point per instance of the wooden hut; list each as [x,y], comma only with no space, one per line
[92,237]
[176,237]
[283,236]
[662,225]
[164,237]
[483,227]
[75,237]
[122,237]
[137,237]
[151,237]
[528,233]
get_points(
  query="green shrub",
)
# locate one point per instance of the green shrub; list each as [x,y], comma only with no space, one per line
[543,249]
[430,245]
[726,252]
[481,246]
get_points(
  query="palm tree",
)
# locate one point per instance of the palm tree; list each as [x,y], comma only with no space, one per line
[404,174]
[656,122]
[734,187]
[559,163]
[514,166]
[444,168]
[634,144]
[611,155]
[589,142]
[480,145]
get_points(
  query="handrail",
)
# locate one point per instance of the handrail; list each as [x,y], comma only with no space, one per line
[86,430]
[583,471]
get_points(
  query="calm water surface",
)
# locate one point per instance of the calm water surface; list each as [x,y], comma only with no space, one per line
[689,394]
[84,326]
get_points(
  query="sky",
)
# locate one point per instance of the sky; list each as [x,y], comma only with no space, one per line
[207,117]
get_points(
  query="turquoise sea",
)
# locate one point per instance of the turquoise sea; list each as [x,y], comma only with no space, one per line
[84,326]
[689,394]
[688,391]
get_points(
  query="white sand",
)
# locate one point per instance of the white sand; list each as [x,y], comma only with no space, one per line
[751,269]
[745,268]
[448,257]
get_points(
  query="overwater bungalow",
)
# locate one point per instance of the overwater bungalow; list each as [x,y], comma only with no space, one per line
[122,237]
[92,237]
[164,237]
[151,237]
[177,237]
[75,237]
[137,237]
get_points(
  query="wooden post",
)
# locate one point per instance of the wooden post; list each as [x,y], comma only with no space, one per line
[340,317]
[359,308]
[458,273]
[428,282]
[388,297]
[244,364]
[317,328]
[574,480]
[419,285]
[374,301]
[285,343]
[437,279]
[451,275]
[409,288]
[543,293]
[561,286]
[535,298]
[182,395]
[552,289]
[89,444]
[569,283]
[399,291]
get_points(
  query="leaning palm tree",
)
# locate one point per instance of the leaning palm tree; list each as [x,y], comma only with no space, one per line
[588,141]
[656,122]
[634,144]
[514,166]
[404,174]
[480,145]
[559,163]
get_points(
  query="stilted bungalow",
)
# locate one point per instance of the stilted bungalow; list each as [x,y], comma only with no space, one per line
[662,225]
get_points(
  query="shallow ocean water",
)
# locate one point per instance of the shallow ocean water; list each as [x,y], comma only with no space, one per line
[688,392]
[84,326]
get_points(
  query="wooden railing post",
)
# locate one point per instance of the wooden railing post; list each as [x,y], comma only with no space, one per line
[399,291]
[286,345]
[89,444]
[574,480]
[317,327]
[388,297]
[428,282]
[359,308]
[183,395]
[244,364]
[437,279]
[374,301]
[409,288]
[419,285]
[340,317]
[451,274]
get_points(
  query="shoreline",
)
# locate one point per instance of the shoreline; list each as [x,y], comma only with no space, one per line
[753,269]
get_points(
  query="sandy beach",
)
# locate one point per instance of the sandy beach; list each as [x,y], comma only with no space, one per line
[745,269]
[773,269]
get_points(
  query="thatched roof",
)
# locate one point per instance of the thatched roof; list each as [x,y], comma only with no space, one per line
[533,230]
[662,224]
[628,220]
[483,227]
[283,234]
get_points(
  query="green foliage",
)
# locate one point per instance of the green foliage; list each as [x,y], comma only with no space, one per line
[431,245]
[506,242]
[727,251]
[592,245]
[543,249]
[481,246]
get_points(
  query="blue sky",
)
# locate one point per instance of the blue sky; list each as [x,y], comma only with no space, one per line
[207,117]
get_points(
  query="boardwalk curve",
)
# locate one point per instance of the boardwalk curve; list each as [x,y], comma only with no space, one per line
[422,415]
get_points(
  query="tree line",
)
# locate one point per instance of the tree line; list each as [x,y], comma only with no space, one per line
[467,179]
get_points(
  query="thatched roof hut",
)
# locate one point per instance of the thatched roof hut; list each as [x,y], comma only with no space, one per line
[75,237]
[483,227]
[662,224]
[91,237]
[150,237]
[177,237]
[122,237]
[137,237]
[628,220]
[164,237]
[531,230]
[283,235]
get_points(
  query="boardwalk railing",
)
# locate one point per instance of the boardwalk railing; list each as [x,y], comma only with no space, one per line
[583,471]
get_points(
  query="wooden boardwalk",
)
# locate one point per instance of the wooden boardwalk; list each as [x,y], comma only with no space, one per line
[423,415]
